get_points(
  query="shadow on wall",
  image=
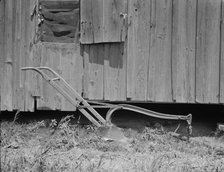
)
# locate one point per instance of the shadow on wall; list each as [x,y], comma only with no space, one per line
[102,53]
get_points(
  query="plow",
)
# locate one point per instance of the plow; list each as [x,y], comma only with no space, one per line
[87,107]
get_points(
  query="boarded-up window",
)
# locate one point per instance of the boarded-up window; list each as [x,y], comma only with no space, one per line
[103,21]
[59,20]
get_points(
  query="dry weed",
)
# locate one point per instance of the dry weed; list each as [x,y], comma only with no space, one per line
[60,146]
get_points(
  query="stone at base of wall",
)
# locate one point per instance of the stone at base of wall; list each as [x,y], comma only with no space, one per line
[220,127]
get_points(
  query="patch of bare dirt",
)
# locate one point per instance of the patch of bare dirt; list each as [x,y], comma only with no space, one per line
[60,146]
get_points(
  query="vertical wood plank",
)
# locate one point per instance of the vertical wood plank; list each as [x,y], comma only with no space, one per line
[14,5]
[29,56]
[14,53]
[102,21]
[98,20]
[113,20]
[50,98]
[22,55]
[86,54]
[222,58]
[7,86]
[32,57]
[208,46]
[131,50]
[86,21]
[34,51]
[159,79]
[114,72]
[65,70]
[25,62]
[183,50]
[95,71]
[2,37]
[66,60]
[17,92]
[138,49]
[36,62]
[71,64]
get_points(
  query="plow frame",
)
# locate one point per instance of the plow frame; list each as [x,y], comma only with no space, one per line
[86,107]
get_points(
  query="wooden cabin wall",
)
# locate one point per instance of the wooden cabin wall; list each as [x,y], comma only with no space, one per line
[17,89]
[67,61]
[105,71]
[173,52]
[18,41]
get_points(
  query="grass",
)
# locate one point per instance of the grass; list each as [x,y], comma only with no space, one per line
[60,146]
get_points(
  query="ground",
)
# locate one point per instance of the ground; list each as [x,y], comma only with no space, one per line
[51,145]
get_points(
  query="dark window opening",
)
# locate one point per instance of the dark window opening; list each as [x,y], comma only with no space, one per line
[58,21]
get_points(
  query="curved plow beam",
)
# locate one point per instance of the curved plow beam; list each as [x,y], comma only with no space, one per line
[150,113]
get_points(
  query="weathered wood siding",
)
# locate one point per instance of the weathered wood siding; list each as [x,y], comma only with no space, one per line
[18,42]
[102,21]
[222,57]
[160,76]
[2,38]
[138,49]
[172,51]
[66,60]
[208,51]
[183,50]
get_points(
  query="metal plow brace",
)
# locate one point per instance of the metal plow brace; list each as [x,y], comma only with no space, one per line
[86,107]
